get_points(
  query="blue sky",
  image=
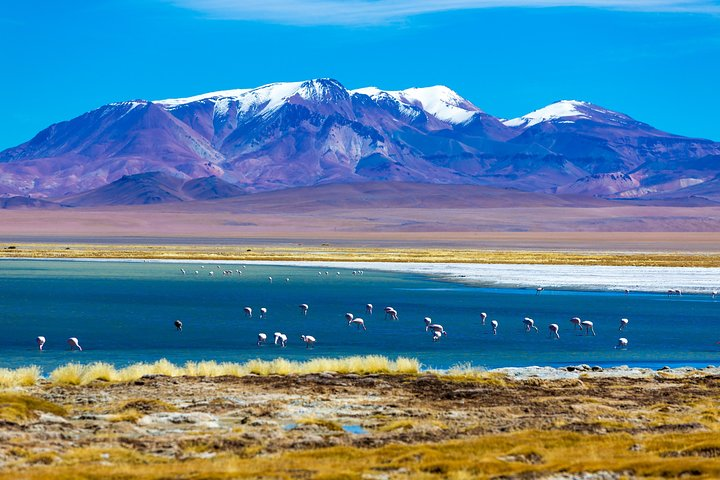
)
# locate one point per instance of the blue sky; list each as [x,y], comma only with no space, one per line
[656,60]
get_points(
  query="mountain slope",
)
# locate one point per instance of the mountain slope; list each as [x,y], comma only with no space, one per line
[318,132]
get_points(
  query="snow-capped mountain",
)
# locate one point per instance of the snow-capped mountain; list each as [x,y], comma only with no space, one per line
[313,132]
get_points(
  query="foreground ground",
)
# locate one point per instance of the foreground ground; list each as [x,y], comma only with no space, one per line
[663,425]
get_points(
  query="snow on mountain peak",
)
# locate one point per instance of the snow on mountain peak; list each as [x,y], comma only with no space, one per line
[439,101]
[565,111]
[171,103]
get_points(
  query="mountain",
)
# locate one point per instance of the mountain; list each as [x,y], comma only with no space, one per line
[318,132]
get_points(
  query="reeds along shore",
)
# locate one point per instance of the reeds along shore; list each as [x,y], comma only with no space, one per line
[79,374]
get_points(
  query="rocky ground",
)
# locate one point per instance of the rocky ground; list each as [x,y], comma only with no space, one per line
[591,425]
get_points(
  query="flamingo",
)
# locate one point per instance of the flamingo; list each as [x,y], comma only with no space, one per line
[588,327]
[368,309]
[392,312]
[183,271]
[538,290]
[427,321]
[178,325]
[714,293]
[211,273]
[248,312]
[40,342]
[554,327]
[263,312]
[359,322]
[623,324]
[436,328]
[622,343]
[529,324]
[349,317]
[437,336]
[280,338]
[73,342]
[627,291]
[261,339]
[494,325]
[309,341]
[483,316]
[303,308]
[270,279]
[576,323]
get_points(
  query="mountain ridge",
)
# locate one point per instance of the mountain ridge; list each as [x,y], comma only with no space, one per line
[314,132]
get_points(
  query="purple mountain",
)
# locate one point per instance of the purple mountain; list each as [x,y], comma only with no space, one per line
[317,132]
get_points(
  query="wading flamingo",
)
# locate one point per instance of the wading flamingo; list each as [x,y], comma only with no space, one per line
[623,324]
[349,317]
[392,312]
[529,324]
[588,325]
[280,339]
[270,279]
[263,312]
[554,327]
[714,293]
[494,325]
[178,325]
[261,339]
[437,336]
[538,290]
[309,340]
[357,321]
[248,312]
[576,323]
[483,316]
[303,308]
[368,309]
[40,342]
[436,328]
[622,343]
[73,342]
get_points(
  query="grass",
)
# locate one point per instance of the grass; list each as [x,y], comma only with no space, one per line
[530,454]
[17,407]
[351,254]
[321,422]
[78,374]
[20,377]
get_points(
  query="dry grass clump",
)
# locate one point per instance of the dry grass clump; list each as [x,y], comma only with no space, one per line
[524,454]
[19,377]
[16,407]
[77,374]
[321,422]
[466,372]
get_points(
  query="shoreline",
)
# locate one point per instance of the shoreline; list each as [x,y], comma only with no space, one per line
[563,277]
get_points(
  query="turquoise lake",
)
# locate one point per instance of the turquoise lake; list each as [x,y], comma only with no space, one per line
[123,312]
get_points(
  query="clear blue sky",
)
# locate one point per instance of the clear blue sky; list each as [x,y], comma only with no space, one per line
[658,61]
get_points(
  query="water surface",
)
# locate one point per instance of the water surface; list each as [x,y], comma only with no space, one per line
[123,312]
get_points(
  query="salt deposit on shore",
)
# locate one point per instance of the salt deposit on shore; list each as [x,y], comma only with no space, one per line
[562,277]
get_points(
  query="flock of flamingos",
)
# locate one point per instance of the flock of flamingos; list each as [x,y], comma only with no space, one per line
[436,329]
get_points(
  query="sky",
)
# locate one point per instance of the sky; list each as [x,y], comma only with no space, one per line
[655,60]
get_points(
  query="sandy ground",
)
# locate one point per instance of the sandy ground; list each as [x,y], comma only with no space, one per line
[623,228]
[532,424]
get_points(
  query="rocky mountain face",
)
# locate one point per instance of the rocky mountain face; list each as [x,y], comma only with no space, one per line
[317,132]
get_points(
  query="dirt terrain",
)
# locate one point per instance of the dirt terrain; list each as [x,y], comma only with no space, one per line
[663,425]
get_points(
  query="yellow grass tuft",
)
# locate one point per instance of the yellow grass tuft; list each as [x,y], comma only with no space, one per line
[20,377]
[77,374]
[17,407]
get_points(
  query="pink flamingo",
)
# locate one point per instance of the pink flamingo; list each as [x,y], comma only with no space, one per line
[263,312]
[529,324]
[622,343]
[357,321]
[623,324]
[178,325]
[248,312]
[554,327]
[494,325]
[40,342]
[280,338]
[368,309]
[261,339]
[483,316]
[576,323]
[73,342]
[304,308]
[588,327]
[309,340]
